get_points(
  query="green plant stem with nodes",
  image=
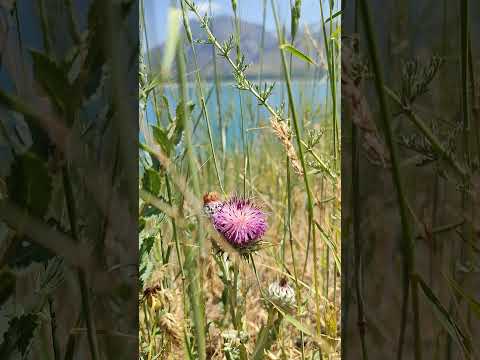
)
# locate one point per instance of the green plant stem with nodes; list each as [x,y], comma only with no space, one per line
[295,11]
[311,230]
[319,161]
[262,46]
[224,52]
[408,242]
[219,103]
[149,60]
[200,94]
[246,157]
[434,141]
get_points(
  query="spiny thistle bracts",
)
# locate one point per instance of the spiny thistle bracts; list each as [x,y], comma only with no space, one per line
[281,294]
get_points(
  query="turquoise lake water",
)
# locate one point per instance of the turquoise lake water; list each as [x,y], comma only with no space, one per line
[308,94]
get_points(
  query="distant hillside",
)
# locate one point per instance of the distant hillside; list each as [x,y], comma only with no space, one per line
[250,39]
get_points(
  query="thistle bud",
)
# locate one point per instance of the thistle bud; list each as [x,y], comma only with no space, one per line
[281,294]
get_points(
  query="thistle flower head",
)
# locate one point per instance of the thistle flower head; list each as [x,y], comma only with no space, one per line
[281,294]
[241,222]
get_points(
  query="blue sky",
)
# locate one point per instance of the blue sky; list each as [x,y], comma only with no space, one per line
[249,10]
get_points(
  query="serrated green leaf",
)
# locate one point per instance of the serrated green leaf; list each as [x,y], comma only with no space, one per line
[151,181]
[161,137]
[90,76]
[52,78]
[53,276]
[146,246]
[294,51]
[167,107]
[141,223]
[145,266]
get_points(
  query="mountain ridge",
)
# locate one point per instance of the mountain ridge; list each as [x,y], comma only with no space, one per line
[222,27]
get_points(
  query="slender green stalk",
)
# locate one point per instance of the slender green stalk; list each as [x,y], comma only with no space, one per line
[262,48]
[174,228]
[245,151]
[201,95]
[408,244]
[304,167]
[289,199]
[361,322]
[467,202]
[149,60]
[72,25]
[332,80]
[86,304]
[47,41]
[219,102]
[474,100]
[192,262]
[464,66]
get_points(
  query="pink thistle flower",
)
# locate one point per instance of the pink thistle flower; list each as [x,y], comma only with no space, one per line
[241,222]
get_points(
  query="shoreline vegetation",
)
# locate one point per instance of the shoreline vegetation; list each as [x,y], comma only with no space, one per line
[240,230]
[231,80]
